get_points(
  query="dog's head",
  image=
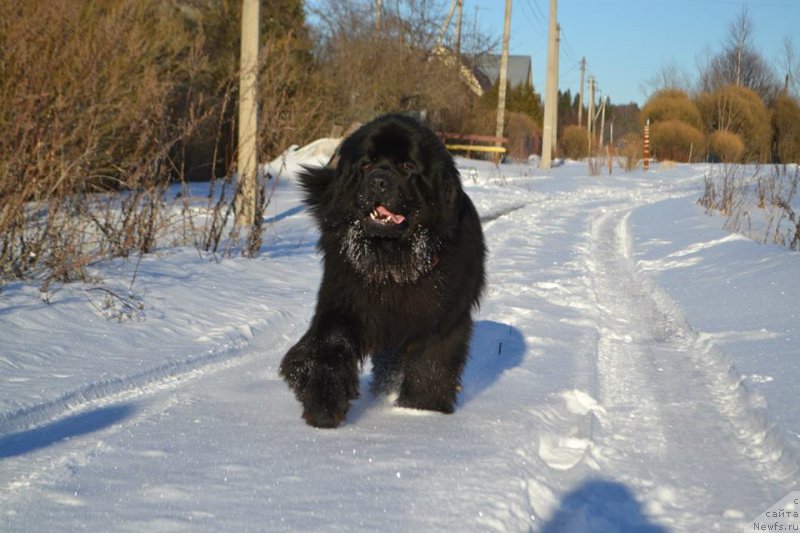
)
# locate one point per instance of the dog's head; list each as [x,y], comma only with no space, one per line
[403,175]
[391,200]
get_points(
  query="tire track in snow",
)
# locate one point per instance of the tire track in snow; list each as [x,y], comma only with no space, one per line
[121,388]
[119,394]
[539,285]
[490,217]
[681,428]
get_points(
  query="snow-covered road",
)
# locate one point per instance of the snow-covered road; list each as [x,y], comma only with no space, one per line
[591,400]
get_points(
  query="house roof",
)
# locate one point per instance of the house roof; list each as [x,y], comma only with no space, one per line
[519,70]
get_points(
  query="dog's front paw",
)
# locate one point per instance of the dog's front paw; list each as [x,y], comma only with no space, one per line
[324,391]
[326,400]
[443,405]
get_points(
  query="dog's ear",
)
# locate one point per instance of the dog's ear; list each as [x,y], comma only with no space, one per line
[452,191]
[334,160]
[315,182]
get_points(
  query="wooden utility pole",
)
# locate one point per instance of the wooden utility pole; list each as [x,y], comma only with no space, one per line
[590,114]
[554,110]
[551,90]
[580,98]
[603,121]
[378,11]
[247,164]
[459,13]
[501,95]
[443,29]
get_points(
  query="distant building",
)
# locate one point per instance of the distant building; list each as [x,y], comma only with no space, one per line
[520,71]
[482,72]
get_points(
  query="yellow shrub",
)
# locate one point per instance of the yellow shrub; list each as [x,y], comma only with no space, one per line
[676,140]
[741,111]
[786,125]
[671,104]
[726,146]
[575,142]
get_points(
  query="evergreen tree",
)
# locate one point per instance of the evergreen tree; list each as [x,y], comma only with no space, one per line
[522,99]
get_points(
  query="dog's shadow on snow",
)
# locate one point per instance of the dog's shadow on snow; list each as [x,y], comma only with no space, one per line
[495,348]
[600,505]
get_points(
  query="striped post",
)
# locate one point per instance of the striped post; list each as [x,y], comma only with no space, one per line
[647,145]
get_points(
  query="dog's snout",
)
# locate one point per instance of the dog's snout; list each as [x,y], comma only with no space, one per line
[380,182]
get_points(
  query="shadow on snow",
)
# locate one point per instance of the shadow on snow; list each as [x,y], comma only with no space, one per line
[495,348]
[600,505]
[22,442]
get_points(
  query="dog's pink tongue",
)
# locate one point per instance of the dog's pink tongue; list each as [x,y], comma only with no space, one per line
[397,219]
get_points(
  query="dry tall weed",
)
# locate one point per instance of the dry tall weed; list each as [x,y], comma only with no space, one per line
[106,103]
[630,151]
[85,106]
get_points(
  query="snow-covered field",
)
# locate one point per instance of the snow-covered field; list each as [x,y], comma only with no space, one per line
[634,367]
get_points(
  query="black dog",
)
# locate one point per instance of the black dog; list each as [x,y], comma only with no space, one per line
[403,266]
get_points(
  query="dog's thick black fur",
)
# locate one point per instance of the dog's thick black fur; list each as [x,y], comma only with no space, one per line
[403,263]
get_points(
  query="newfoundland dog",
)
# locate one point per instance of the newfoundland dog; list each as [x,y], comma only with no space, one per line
[403,258]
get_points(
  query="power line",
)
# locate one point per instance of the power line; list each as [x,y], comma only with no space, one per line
[569,51]
[541,24]
[539,9]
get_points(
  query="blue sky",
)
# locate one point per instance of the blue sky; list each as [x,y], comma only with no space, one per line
[626,41]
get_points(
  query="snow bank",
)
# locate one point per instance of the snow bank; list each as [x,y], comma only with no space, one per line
[317,153]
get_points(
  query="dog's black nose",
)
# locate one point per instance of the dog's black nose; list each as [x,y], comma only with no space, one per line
[379,182]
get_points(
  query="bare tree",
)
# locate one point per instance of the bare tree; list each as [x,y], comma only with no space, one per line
[670,75]
[412,22]
[397,68]
[739,32]
[790,65]
[739,63]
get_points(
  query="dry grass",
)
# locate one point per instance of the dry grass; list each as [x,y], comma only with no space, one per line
[86,112]
[739,196]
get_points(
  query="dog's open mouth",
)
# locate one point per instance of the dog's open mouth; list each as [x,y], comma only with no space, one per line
[382,215]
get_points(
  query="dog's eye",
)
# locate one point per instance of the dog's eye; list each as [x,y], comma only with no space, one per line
[408,166]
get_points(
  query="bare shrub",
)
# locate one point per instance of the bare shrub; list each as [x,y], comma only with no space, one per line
[575,142]
[524,135]
[105,103]
[726,146]
[367,74]
[86,105]
[737,196]
[724,189]
[630,151]
[595,163]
